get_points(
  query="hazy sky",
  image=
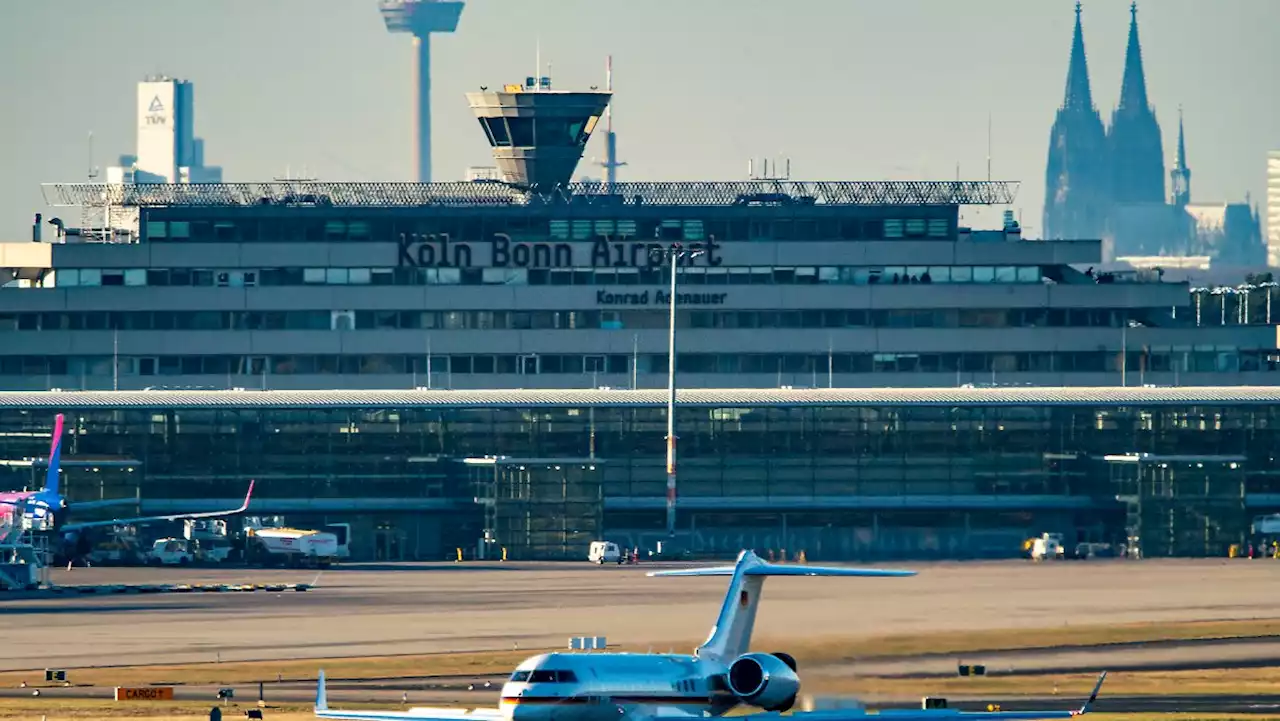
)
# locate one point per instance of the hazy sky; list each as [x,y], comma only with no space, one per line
[848,89]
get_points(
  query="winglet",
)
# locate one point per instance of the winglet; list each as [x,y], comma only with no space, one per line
[245,506]
[1093,696]
[322,700]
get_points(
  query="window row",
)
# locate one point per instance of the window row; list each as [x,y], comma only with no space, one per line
[640,319]
[307,227]
[694,275]
[815,364]
[544,132]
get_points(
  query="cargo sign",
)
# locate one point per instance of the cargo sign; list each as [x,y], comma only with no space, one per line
[439,251]
[152,693]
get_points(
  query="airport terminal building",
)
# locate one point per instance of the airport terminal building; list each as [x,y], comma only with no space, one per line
[332,339]
[841,474]
[475,285]
[538,282]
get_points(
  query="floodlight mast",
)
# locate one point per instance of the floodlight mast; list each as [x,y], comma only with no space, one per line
[673,255]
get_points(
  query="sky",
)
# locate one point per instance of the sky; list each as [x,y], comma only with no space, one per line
[847,89]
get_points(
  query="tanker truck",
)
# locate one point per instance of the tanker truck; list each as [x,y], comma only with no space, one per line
[269,542]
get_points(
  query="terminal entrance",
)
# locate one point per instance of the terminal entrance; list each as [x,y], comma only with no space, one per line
[388,542]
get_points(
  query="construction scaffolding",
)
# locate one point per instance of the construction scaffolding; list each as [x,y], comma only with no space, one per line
[538,508]
[1191,506]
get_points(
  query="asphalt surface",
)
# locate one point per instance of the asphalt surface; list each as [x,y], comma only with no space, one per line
[353,694]
[375,610]
[433,608]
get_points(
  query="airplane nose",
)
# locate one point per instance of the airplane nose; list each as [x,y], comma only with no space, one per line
[530,712]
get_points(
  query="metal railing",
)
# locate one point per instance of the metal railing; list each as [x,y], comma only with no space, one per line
[488,193]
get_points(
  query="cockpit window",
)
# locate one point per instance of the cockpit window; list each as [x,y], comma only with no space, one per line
[544,676]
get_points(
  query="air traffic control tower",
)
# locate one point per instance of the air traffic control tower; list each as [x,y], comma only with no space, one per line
[421,18]
[538,134]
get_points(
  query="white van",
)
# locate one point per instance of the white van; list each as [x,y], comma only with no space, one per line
[604,552]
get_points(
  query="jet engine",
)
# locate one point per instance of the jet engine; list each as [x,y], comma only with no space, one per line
[765,680]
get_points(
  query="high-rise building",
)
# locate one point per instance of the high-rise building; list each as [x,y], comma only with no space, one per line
[1273,208]
[166,148]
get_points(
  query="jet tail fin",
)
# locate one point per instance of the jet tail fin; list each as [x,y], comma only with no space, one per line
[1093,696]
[55,457]
[731,635]
[322,697]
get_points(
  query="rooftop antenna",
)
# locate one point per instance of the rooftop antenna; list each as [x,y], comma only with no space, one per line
[988,147]
[93,170]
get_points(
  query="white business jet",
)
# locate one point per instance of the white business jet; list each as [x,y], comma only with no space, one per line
[720,675]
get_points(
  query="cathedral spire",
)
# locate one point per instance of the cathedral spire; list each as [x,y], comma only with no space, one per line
[1079,94]
[1180,163]
[1181,174]
[1137,152]
[1076,174]
[1133,90]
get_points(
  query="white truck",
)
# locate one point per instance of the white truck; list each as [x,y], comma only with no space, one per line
[270,542]
[1048,547]
[170,552]
[602,552]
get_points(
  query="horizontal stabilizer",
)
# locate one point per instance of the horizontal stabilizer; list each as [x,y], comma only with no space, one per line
[773,569]
[322,710]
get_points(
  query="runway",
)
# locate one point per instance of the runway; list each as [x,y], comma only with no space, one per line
[353,694]
[433,608]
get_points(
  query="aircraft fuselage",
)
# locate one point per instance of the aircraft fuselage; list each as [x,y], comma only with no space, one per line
[605,686]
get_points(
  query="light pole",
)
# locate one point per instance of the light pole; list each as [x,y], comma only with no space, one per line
[672,254]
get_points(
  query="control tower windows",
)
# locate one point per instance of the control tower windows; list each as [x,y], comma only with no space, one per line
[521,130]
[557,132]
[495,129]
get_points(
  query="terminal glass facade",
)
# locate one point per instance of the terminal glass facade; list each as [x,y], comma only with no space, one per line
[840,481]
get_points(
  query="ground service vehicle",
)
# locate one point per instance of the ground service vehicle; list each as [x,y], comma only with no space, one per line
[343,533]
[269,542]
[170,552]
[1048,547]
[604,552]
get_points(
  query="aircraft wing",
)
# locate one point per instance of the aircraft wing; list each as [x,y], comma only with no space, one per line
[919,714]
[419,714]
[173,517]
